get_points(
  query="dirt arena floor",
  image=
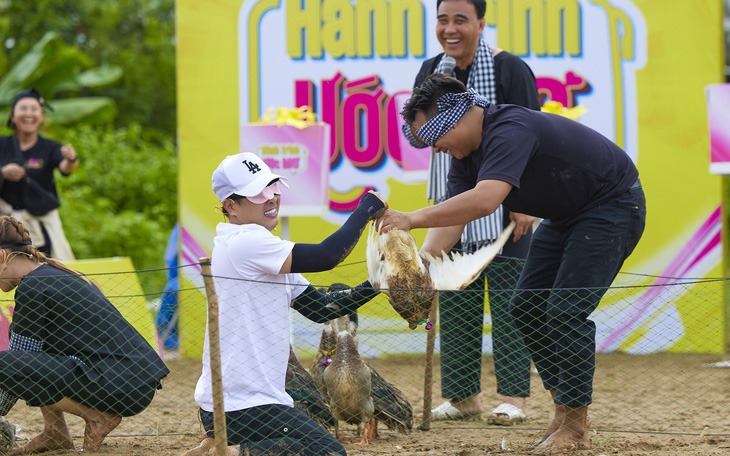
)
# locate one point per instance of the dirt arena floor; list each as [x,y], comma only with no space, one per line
[666,404]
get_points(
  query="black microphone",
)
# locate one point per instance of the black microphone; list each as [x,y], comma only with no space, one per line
[447,65]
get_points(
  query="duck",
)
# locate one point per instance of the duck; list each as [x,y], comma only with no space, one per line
[327,347]
[390,405]
[327,343]
[348,381]
[411,280]
[306,394]
[8,437]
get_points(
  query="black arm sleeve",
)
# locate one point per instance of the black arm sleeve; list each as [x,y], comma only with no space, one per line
[330,252]
[321,307]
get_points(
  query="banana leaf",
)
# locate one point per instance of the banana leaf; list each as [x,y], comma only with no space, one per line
[17,77]
[95,78]
[91,110]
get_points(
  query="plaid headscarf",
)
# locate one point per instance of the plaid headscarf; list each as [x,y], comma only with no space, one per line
[451,106]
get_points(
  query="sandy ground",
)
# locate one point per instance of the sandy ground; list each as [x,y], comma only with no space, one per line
[664,404]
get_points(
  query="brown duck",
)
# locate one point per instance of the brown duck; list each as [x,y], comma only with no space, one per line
[327,347]
[390,405]
[396,267]
[348,381]
[306,395]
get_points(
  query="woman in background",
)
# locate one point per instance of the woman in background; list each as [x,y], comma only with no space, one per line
[26,154]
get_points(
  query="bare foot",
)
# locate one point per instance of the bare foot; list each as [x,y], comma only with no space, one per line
[205,445]
[553,426]
[49,439]
[556,423]
[565,440]
[98,428]
[571,434]
[469,406]
[207,448]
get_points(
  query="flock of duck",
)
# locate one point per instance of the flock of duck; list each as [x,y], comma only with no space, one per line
[340,385]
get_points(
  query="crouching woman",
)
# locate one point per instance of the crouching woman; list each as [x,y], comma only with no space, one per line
[70,349]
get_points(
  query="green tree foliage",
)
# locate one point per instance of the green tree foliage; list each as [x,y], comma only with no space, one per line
[122,199]
[52,66]
[135,35]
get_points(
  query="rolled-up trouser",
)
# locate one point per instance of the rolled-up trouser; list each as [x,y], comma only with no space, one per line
[570,266]
[275,429]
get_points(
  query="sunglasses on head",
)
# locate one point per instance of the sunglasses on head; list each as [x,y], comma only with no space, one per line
[266,194]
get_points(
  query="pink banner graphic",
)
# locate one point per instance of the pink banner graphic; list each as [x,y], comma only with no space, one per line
[686,264]
[718,110]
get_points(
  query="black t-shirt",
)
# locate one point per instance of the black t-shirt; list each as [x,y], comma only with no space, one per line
[58,313]
[558,166]
[39,162]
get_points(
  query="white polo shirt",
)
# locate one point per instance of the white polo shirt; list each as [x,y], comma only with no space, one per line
[253,301]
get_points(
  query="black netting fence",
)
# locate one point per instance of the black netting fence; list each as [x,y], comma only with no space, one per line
[659,355]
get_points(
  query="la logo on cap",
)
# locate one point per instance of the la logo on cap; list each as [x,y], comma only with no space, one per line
[252,167]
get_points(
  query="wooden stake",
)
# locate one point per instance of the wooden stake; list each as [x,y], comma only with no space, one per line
[214,342]
[428,376]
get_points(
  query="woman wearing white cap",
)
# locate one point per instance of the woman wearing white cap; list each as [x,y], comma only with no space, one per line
[257,279]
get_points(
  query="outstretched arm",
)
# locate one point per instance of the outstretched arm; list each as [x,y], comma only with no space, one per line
[330,252]
[321,307]
[478,202]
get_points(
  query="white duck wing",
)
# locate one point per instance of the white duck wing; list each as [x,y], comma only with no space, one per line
[374,256]
[461,270]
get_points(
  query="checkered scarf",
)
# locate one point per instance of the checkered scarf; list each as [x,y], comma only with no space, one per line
[451,107]
[482,79]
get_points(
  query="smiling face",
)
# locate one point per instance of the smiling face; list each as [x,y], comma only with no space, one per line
[458,30]
[244,211]
[28,115]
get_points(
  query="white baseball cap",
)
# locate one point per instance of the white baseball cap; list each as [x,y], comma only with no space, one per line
[244,174]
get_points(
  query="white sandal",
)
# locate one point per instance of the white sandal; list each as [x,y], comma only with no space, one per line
[447,411]
[515,415]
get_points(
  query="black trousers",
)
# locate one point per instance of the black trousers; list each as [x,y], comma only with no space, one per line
[43,379]
[275,430]
[569,268]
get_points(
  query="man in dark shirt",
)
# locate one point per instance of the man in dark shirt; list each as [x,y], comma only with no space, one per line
[501,77]
[583,185]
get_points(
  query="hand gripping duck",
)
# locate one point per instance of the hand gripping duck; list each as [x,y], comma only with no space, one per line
[396,268]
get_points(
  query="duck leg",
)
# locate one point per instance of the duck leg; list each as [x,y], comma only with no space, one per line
[338,436]
[366,432]
[374,434]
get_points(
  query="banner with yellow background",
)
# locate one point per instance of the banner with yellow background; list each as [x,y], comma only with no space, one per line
[639,68]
